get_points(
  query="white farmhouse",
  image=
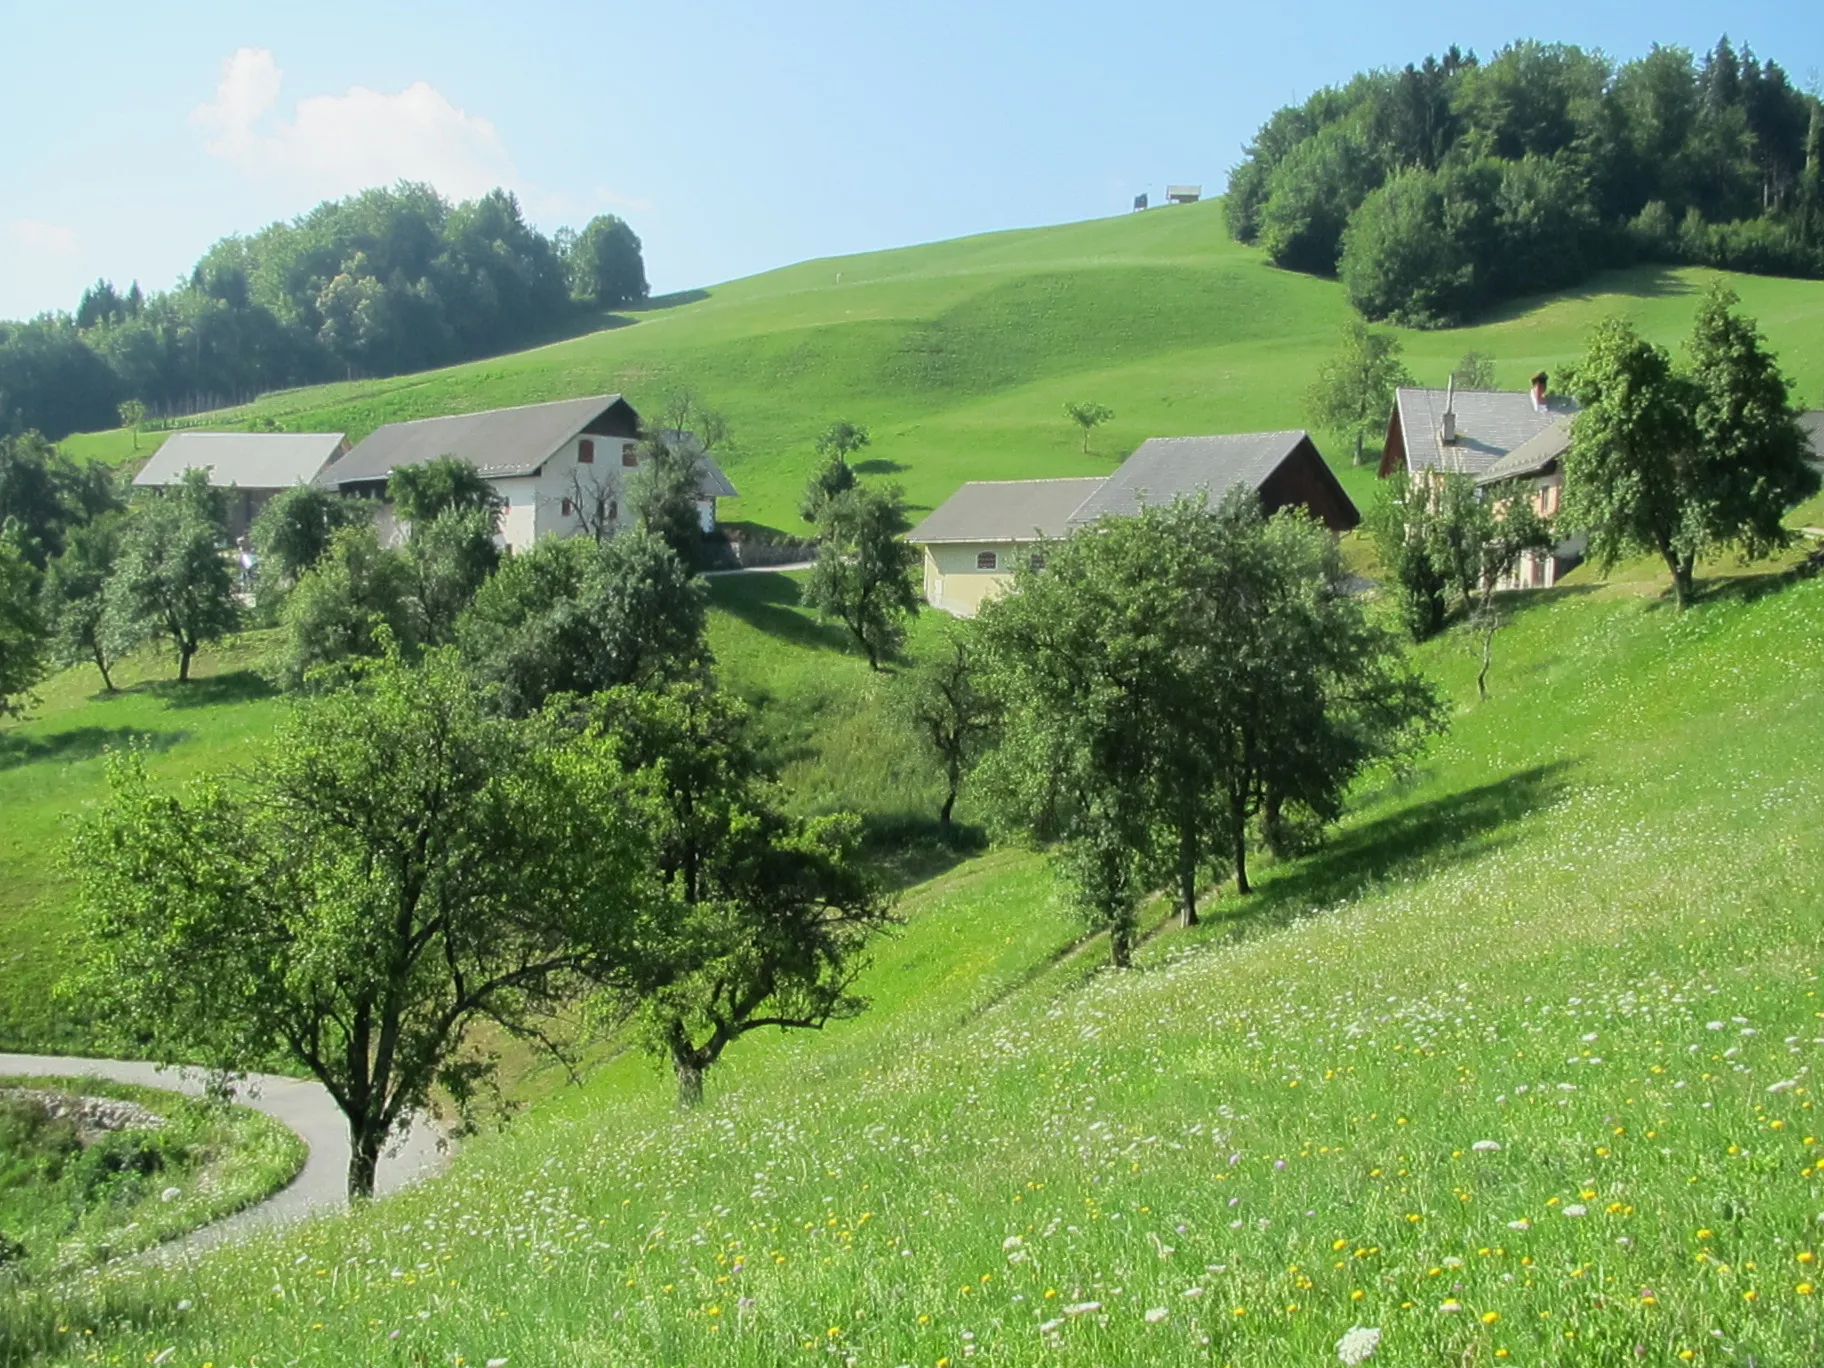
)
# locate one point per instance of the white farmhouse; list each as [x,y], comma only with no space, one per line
[558,466]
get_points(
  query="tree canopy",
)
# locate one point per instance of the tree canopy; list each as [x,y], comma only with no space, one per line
[396,867]
[384,281]
[866,574]
[1438,189]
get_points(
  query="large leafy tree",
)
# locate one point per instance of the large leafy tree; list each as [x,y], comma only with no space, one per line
[397,867]
[1177,678]
[293,530]
[170,580]
[866,574]
[23,637]
[421,493]
[605,265]
[765,919]
[75,600]
[1353,392]
[352,604]
[44,494]
[1678,464]
[450,556]
[572,617]
[834,475]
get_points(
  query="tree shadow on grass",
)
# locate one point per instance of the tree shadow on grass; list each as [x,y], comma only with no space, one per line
[238,686]
[1411,843]
[768,603]
[879,465]
[80,743]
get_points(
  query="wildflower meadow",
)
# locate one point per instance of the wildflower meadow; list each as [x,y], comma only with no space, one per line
[1518,1068]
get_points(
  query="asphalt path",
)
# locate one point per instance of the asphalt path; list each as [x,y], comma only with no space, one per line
[321,1185]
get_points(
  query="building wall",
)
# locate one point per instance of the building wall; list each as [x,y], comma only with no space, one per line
[955,582]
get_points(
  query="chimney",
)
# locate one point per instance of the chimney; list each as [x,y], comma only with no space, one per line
[1447,431]
[1540,401]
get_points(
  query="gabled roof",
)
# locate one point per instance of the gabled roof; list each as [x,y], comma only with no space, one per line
[242,460]
[711,482]
[497,442]
[1534,456]
[1006,511]
[1490,423]
[1162,468]
[1812,422]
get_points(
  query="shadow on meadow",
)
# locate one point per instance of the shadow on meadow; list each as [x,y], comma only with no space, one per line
[238,686]
[1404,844]
[773,604]
[879,465]
[81,743]
[1635,282]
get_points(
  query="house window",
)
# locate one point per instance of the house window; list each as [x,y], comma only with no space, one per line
[630,455]
[986,560]
[614,509]
[585,452]
[1036,560]
[569,507]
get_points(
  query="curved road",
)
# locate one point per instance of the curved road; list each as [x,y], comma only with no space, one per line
[321,1185]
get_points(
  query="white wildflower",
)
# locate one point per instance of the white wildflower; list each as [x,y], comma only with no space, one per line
[1487,1147]
[1784,1085]
[1357,1345]
[1450,1308]
[1082,1308]
[1521,1224]
[1011,1243]
[170,1194]
[1576,1209]
[1193,1292]
[1156,1314]
[1051,1325]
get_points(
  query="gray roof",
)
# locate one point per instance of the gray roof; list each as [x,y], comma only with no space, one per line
[241,460]
[1534,456]
[1006,511]
[1490,423]
[711,482]
[1162,468]
[1812,421]
[497,442]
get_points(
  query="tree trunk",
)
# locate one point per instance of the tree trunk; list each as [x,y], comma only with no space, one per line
[1358,448]
[183,663]
[1121,942]
[101,663]
[363,1162]
[1681,573]
[690,1079]
[1239,827]
[1187,873]
[1687,581]
[943,813]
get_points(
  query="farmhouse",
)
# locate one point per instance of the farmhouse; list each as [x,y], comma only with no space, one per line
[1812,422]
[253,466]
[554,464]
[977,537]
[1495,436]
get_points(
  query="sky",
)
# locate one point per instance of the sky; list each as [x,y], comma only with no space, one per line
[734,137]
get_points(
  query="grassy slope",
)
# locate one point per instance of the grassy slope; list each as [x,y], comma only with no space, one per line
[1588,930]
[959,355]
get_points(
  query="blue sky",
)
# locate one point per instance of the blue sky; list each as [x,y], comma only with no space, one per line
[734,137]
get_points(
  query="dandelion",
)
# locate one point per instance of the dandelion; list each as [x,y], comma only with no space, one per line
[1490,1317]
[1357,1345]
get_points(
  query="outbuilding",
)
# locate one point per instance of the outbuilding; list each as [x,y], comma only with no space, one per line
[250,466]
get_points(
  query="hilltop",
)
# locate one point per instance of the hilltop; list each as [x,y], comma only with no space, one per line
[960,355]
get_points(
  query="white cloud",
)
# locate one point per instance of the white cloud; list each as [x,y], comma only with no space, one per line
[48,239]
[336,144]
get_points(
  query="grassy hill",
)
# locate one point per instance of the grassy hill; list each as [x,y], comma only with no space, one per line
[960,355]
[1520,1066]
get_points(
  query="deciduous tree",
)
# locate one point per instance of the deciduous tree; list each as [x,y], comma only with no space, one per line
[951,715]
[866,574]
[293,531]
[1353,392]
[1089,417]
[169,578]
[419,493]
[354,603]
[75,600]
[23,637]
[834,475]
[765,919]
[396,867]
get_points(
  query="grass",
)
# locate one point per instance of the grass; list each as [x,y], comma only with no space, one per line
[53,766]
[1518,1067]
[72,1201]
[960,355]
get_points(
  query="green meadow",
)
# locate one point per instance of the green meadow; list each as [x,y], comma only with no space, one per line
[959,356]
[1517,1067]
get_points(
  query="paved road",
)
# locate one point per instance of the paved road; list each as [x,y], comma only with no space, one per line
[321,1185]
[761,569]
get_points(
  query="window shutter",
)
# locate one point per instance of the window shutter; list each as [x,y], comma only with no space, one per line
[568,506]
[630,455]
[585,452]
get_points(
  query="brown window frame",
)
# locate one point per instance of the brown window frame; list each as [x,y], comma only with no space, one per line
[987,560]
[585,452]
[630,456]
